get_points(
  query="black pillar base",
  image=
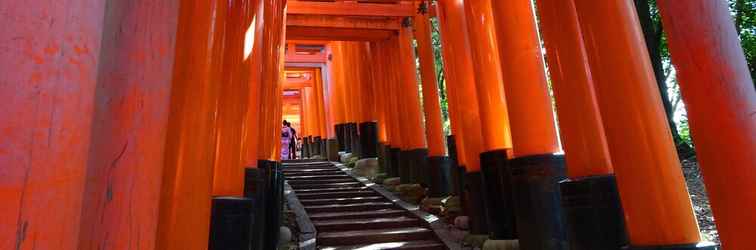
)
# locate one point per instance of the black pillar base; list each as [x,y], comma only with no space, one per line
[306,147]
[257,183]
[439,171]
[317,146]
[382,158]
[368,140]
[476,210]
[270,192]
[341,136]
[230,223]
[322,146]
[497,191]
[535,181]
[416,166]
[332,150]
[396,162]
[405,172]
[460,173]
[593,213]
[356,147]
[700,246]
[348,138]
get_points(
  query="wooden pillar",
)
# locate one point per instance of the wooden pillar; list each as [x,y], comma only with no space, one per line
[390,74]
[48,70]
[412,116]
[228,174]
[494,115]
[351,82]
[524,78]
[309,117]
[461,82]
[452,77]
[335,84]
[379,92]
[273,33]
[657,207]
[434,133]
[580,123]
[719,95]
[367,96]
[131,109]
[320,104]
[460,38]
[253,54]
[184,220]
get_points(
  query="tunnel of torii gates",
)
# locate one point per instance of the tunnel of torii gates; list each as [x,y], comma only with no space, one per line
[121,121]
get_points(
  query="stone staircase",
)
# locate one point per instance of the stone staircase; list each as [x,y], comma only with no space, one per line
[349,215]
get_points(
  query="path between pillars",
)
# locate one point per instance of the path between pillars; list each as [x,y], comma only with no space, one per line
[348,214]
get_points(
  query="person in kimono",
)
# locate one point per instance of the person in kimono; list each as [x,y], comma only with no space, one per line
[286,140]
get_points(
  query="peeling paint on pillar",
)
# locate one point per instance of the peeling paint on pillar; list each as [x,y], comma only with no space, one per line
[48,58]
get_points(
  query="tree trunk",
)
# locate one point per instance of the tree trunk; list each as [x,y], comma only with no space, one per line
[653,32]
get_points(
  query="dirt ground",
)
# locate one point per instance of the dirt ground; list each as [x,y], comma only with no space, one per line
[700,201]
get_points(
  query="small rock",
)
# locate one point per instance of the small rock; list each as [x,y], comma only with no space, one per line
[366,168]
[412,193]
[462,222]
[501,245]
[475,240]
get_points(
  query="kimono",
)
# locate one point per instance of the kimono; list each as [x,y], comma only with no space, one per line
[286,139]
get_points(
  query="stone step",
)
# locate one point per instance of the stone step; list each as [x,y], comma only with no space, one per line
[381,213]
[343,194]
[352,200]
[321,181]
[318,177]
[357,237]
[333,189]
[403,245]
[313,173]
[364,224]
[365,206]
[314,169]
[325,185]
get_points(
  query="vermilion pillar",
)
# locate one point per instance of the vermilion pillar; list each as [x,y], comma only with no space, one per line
[580,122]
[125,167]
[379,92]
[410,102]
[657,206]
[434,133]
[367,96]
[48,70]
[491,99]
[320,104]
[413,128]
[524,78]
[468,49]
[534,137]
[461,83]
[453,70]
[719,95]
[228,178]
[335,99]
[252,70]
[272,77]
[583,139]
[184,220]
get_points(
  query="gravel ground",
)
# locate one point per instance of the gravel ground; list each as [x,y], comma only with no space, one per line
[700,201]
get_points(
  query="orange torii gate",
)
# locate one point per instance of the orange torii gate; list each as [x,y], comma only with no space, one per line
[141,140]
